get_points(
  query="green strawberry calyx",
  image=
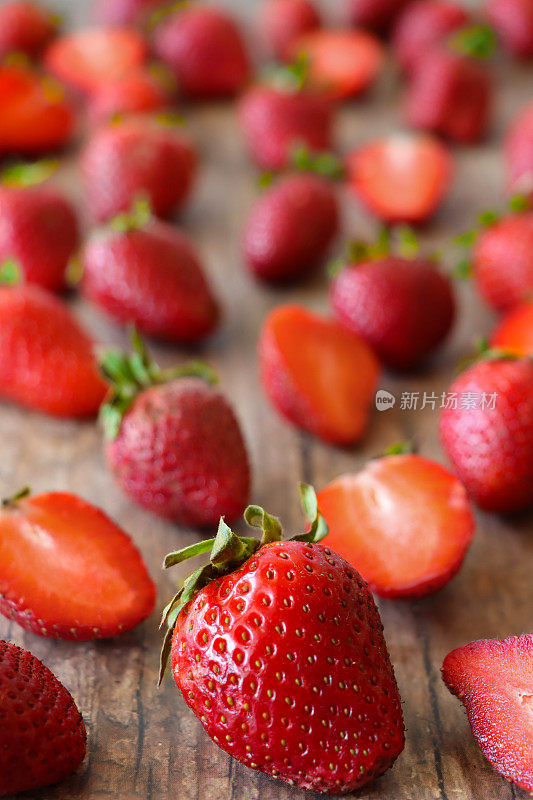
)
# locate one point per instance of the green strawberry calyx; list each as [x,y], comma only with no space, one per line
[130,374]
[476,41]
[401,241]
[8,502]
[325,164]
[291,77]
[228,552]
[10,272]
[484,352]
[137,217]
[22,174]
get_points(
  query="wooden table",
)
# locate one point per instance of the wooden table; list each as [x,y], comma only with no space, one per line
[143,741]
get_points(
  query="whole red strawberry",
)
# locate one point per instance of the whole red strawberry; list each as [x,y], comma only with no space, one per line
[424,25]
[404,308]
[281,22]
[124,12]
[174,443]
[487,432]
[494,681]
[137,92]
[25,27]
[377,15]
[204,48]
[46,359]
[81,578]
[149,273]
[40,232]
[502,261]
[291,227]
[519,153]
[513,22]
[42,735]
[137,157]
[277,647]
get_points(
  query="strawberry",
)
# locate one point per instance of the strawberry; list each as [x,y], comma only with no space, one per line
[282,21]
[137,157]
[494,681]
[174,444]
[46,359]
[204,48]
[513,22]
[342,62]
[514,333]
[34,115]
[423,26]
[502,261]
[42,735]
[80,578]
[89,58]
[124,12]
[413,541]
[39,231]
[277,647]
[319,375]
[401,177]
[148,272]
[25,27]
[139,91]
[402,307]
[291,226]
[376,15]
[490,439]
[519,153]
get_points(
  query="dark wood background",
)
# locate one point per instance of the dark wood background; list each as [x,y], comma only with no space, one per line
[144,744]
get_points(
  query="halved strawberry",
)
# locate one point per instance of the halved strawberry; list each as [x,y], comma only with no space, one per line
[341,62]
[514,333]
[494,681]
[89,58]
[402,177]
[404,522]
[67,571]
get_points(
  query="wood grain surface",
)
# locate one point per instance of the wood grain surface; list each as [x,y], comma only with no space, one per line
[144,744]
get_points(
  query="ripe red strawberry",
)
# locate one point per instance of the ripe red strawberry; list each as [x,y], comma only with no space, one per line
[488,437]
[124,12]
[137,157]
[291,227]
[34,115]
[39,231]
[519,153]
[282,21]
[46,359]
[204,48]
[25,27]
[42,735]
[137,92]
[342,63]
[502,261]
[319,375]
[402,177]
[494,681]
[514,333]
[80,578]
[402,307]
[376,15]
[88,58]
[277,647]
[513,22]
[276,121]
[413,540]
[148,273]
[423,26]
[175,446]
[450,94]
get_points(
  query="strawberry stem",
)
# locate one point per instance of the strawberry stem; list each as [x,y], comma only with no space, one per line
[20,495]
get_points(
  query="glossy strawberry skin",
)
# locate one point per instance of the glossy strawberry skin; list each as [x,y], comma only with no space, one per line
[377,15]
[123,12]
[205,50]
[513,22]
[291,227]
[38,715]
[274,122]
[423,26]
[451,95]
[25,27]
[514,333]
[137,157]
[153,278]
[180,453]
[285,664]
[85,581]
[502,261]
[46,359]
[403,308]
[40,232]
[491,450]
[519,153]
[494,681]
[135,93]
[282,21]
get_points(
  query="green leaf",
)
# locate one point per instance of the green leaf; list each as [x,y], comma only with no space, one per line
[327,165]
[519,203]
[336,266]
[20,495]
[228,548]
[408,244]
[257,517]
[399,449]
[24,175]
[10,273]
[165,654]
[382,246]
[265,180]
[465,239]
[476,41]
[463,269]
[309,502]
[192,551]
[288,77]
[488,218]
[138,217]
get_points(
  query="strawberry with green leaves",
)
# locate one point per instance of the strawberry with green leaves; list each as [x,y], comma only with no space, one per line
[25,27]
[278,648]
